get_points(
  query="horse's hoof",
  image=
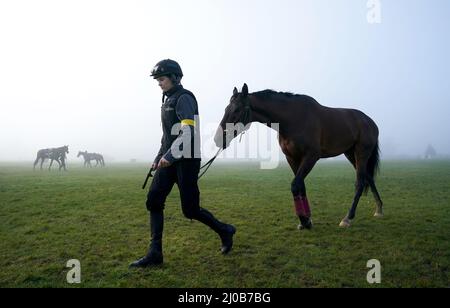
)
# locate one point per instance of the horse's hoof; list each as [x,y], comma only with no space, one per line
[378,215]
[345,223]
[307,227]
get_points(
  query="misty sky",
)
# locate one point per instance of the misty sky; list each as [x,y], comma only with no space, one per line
[77,72]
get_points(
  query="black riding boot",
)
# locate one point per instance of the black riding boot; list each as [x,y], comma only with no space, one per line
[225,231]
[154,255]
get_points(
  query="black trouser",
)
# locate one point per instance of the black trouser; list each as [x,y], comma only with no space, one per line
[185,174]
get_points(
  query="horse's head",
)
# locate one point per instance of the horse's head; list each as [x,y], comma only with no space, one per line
[81,153]
[66,149]
[236,119]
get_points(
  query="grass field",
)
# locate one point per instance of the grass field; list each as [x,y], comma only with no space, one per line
[98,216]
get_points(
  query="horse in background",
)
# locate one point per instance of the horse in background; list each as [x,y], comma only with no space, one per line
[54,154]
[92,156]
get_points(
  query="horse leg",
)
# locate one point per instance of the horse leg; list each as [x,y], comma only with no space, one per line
[51,163]
[379,210]
[350,154]
[298,189]
[361,177]
[59,164]
[294,164]
[35,163]
[42,162]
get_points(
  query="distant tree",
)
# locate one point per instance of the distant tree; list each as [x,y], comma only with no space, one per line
[430,152]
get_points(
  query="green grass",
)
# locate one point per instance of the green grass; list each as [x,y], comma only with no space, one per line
[99,217]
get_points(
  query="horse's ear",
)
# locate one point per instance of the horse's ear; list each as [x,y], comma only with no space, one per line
[245,89]
[235,91]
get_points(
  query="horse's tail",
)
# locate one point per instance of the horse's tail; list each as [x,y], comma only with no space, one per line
[373,165]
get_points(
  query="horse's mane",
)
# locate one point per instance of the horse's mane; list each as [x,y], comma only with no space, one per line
[268,94]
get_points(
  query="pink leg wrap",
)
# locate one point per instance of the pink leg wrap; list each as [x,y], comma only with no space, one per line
[302,206]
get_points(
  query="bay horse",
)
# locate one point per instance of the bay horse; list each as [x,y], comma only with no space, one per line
[308,132]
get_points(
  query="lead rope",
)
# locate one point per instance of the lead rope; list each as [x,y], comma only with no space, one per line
[209,163]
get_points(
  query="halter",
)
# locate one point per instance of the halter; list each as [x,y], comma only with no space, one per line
[246,118]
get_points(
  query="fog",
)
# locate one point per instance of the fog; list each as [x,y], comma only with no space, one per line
[77,72]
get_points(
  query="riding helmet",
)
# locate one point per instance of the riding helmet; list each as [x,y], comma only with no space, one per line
[167,68]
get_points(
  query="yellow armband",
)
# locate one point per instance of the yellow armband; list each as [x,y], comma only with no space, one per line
[188,122]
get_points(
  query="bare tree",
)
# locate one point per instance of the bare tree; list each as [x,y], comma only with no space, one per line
[430,152]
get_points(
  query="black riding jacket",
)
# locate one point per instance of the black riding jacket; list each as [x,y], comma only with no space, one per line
[181,127]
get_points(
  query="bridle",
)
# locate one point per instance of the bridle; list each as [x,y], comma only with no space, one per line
[246,118]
